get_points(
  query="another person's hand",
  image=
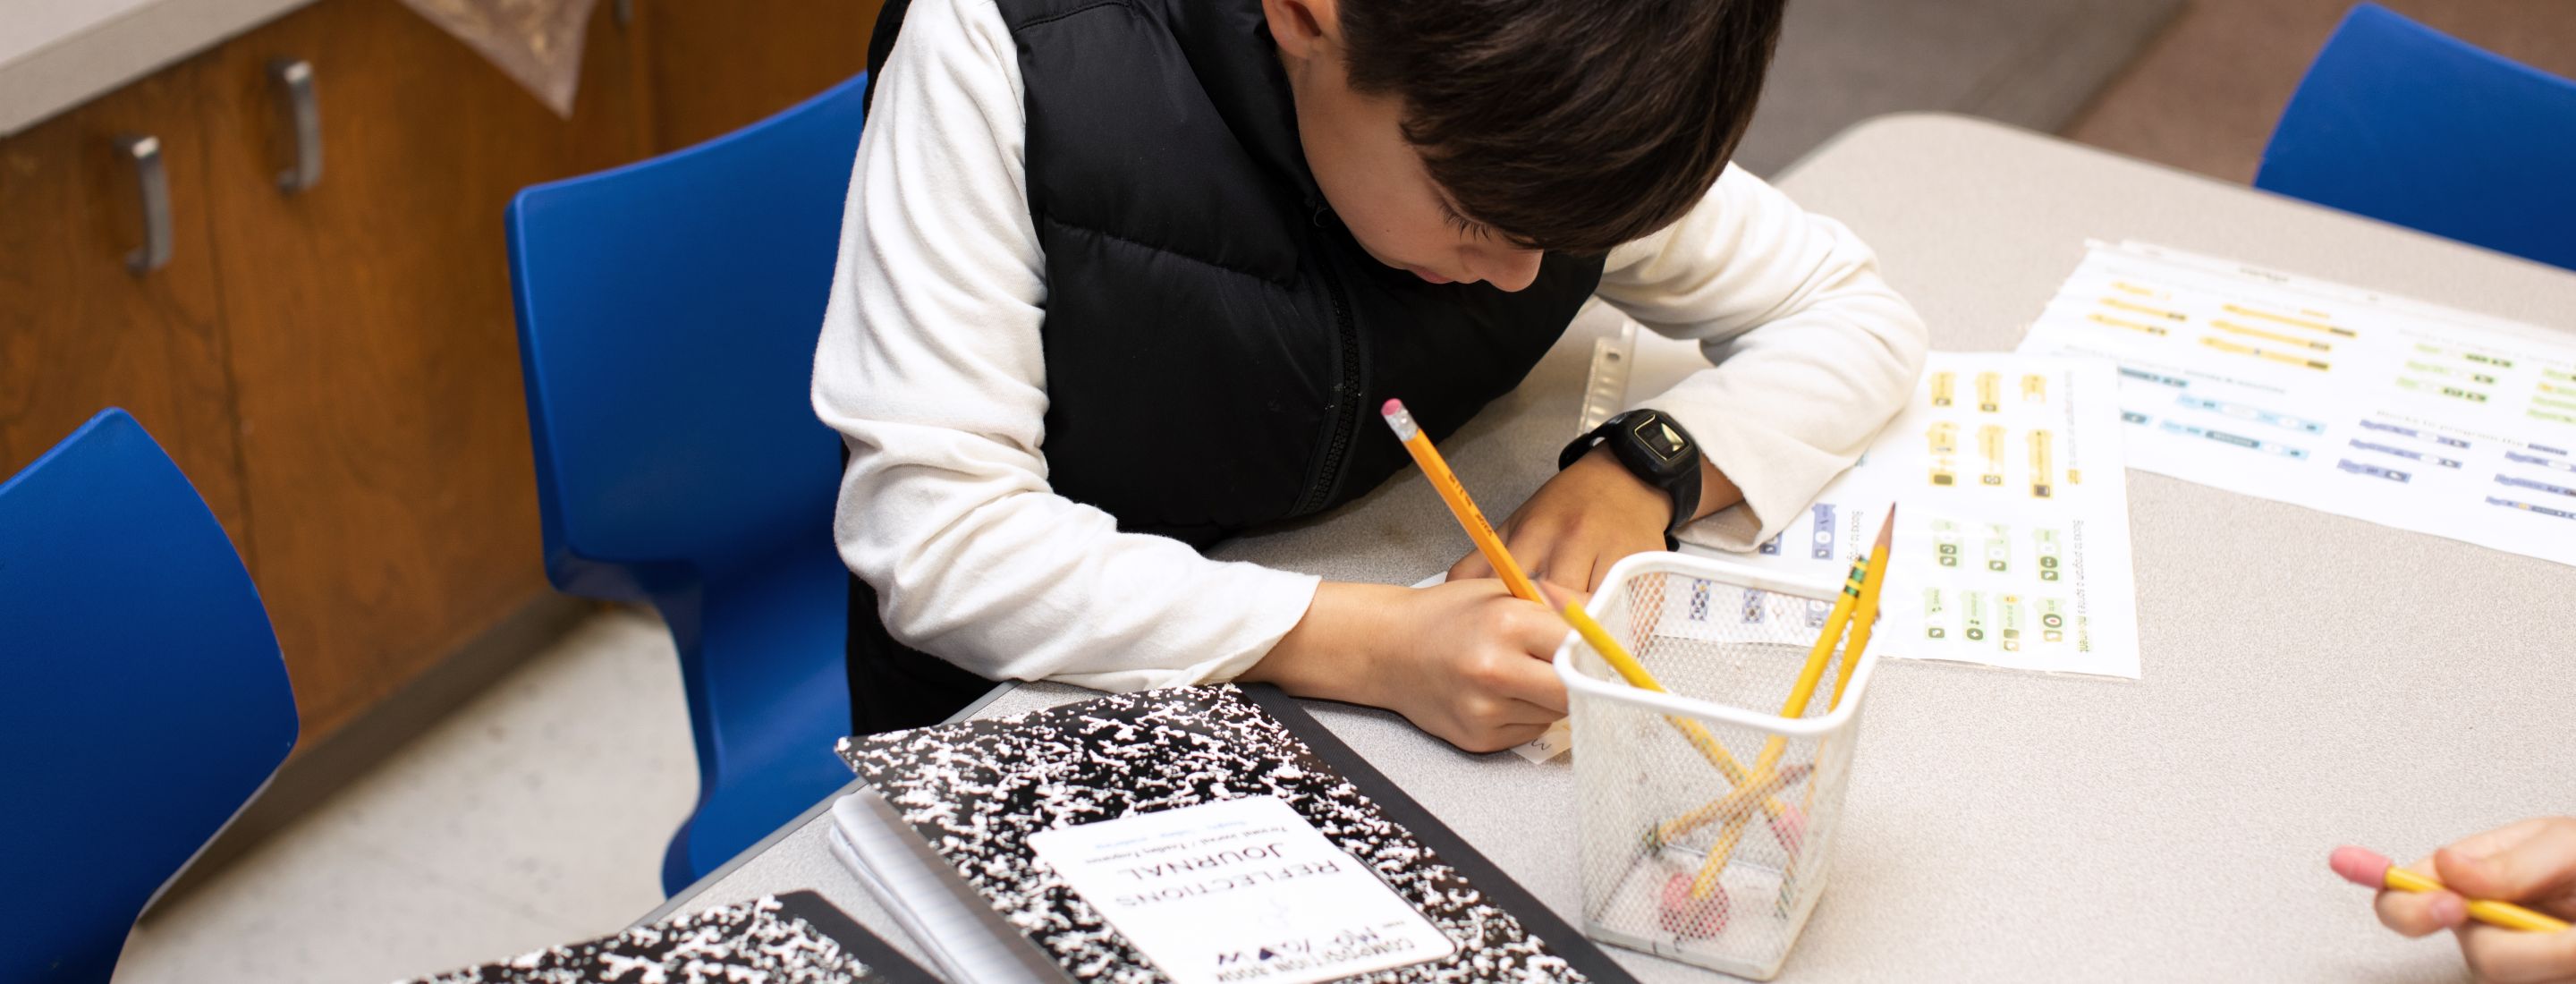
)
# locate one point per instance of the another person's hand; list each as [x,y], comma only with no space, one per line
[1464,661]
[1582,521]
[2531,864]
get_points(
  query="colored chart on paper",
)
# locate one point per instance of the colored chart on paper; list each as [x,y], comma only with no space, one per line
[2356,403]
[2012,544]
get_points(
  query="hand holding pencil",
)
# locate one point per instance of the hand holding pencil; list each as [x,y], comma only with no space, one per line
[2507,893]
[1465,661]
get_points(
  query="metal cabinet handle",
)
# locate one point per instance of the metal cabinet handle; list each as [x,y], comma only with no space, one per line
[293,80]
[625,11]
[153,184]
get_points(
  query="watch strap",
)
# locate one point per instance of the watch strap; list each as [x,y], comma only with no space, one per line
[1683,485]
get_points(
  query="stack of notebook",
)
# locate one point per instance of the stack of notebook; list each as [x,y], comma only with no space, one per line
[795,938]
[1206,835]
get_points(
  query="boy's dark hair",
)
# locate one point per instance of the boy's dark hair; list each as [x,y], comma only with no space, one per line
[1568,125]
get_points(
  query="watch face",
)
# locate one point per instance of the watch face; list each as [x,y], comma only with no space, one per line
[1655,435]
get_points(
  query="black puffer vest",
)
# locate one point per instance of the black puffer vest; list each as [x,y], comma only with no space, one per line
[1216,343]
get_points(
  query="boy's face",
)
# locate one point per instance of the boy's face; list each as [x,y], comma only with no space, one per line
[1372,175]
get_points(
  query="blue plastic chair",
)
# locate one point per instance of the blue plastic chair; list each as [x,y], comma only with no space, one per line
[2405,124]
[668,312]
[142,700]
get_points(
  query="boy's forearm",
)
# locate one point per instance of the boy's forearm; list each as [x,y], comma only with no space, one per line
[1331,651]
[1716,491]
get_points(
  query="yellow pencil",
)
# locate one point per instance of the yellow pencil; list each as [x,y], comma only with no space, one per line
[2361,867]
[1635,673]
[1857,590]
[1692,731]
[1455,494]
[1865,572]
[1867,613]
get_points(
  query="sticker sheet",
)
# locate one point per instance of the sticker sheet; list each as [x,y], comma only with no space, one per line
[2012,537]
[2339,399]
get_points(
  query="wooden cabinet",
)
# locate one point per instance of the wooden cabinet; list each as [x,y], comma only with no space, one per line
[384,438]
[336,368]
[718,66]
[80,332]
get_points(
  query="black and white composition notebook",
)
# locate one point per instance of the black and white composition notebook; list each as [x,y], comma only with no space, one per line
[1200,835]
[796,938]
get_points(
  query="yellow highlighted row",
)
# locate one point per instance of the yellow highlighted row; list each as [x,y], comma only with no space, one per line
[2224,345]
[2287,320]
[2114,302]
[2131,325]
[2039,464]
[2249,330]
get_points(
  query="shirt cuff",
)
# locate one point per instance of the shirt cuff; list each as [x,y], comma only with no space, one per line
[1779,475]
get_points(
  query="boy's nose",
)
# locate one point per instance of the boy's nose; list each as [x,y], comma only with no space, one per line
[1510,269]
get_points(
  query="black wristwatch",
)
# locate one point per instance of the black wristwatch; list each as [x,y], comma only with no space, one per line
[1655,448]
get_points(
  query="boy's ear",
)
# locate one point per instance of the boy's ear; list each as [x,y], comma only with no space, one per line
[1304,29]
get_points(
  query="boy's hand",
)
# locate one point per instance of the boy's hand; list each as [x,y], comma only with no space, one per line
[1584,520]
[1464,661]
[2532,864]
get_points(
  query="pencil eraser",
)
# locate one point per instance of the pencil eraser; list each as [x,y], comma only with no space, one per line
[1790,827]
[1391,408]
[2360,866]
[1687,917]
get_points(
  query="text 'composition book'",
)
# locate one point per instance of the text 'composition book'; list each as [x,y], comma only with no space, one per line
[1203,835]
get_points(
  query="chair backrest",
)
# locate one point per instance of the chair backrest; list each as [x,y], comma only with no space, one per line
[142,698]
[668,311]
[2405,124]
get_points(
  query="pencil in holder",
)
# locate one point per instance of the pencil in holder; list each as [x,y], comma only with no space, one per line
[1707,819]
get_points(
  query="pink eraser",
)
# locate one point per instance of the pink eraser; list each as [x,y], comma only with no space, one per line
[2360,866]
[1391,408]
[1790,827]
[1688,917]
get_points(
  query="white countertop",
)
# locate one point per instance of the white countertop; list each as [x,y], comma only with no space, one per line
[57,54]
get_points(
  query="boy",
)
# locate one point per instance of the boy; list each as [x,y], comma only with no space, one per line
[1119,278]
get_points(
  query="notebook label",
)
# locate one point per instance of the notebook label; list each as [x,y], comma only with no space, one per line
[1239,890]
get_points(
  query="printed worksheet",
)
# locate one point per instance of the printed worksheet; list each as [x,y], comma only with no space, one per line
[2331,397]
[2012,534]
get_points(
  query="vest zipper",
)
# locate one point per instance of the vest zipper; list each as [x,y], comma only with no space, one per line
[1346,397]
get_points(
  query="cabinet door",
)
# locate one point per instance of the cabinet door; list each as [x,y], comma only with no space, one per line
[79,331]
[384,434]
[718,66]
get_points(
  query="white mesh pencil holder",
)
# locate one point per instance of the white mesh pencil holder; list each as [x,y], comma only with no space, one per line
[1707,818]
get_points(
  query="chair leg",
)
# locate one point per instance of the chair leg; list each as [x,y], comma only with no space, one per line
[677,873]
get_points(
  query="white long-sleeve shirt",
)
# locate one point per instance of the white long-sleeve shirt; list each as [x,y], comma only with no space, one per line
[930,367]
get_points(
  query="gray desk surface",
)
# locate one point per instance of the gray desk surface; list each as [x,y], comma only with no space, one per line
[2309,681]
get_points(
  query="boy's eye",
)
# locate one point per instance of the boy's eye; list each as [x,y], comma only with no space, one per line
[1463,223]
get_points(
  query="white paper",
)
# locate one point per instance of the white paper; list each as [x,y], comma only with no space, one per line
[966,940]
[1557,740]
[2012,536]
[1239,890]
[2331,397]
